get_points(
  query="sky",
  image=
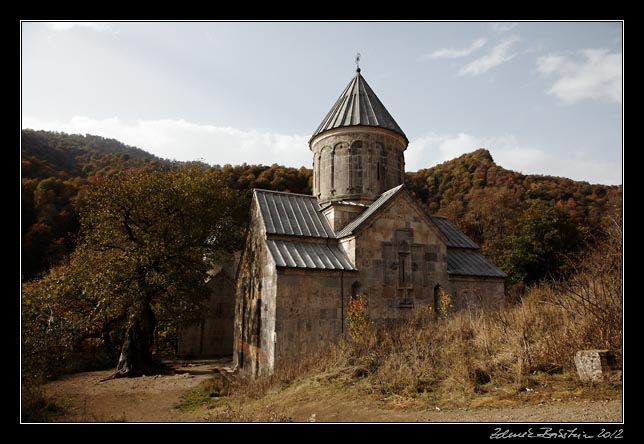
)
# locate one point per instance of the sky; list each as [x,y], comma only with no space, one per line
[542,97]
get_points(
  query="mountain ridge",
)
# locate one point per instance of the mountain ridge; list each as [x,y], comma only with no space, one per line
[482,198]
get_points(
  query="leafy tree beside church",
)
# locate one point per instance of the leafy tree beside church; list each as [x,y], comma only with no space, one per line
[147,242]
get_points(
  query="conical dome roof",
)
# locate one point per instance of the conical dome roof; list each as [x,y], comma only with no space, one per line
[358,105]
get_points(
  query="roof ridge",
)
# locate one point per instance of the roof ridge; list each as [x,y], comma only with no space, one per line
[454,236]
[310,196]
[470,262]
[292,214]
[366,214]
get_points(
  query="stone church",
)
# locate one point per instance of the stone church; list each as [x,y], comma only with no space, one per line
[360,233]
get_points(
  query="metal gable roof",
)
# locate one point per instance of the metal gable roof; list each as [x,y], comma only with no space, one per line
[294,254]
[299,216]
[470,262]
[455,237]
[358,105]
[355,223]
[292,214]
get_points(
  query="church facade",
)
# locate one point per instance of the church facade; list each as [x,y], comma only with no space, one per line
[360,233]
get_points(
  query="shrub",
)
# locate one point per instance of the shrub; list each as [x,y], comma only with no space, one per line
[357,317]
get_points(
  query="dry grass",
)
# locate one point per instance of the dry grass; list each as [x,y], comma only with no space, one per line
[36,407]
[521,355]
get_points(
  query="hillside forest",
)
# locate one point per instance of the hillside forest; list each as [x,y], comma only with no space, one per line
[507,213]
[95,211]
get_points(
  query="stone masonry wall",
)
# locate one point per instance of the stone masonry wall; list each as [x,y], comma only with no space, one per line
[310,312]
[477,293]
[339,215]
[357,165]
[255,303]
[214,336]
[401,261]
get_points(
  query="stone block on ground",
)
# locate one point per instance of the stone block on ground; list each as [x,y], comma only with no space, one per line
[595,365]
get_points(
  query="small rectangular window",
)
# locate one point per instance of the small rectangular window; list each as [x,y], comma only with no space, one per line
[378,171]
[403,277]
[404,270]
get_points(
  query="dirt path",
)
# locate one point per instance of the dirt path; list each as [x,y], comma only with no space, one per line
[311,401]
[144,399]
[570,411]
[155,398]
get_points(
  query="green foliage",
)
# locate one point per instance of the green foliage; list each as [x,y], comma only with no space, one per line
[49,324]
[543,241]
[64,156]
[146,239]
[217,386]
[490,204]
[151,238]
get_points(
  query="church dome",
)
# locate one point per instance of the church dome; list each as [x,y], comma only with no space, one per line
[358,105]
[358,149]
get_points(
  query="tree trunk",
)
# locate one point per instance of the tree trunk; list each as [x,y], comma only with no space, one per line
[136,354]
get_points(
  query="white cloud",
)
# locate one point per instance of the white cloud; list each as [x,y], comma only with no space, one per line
[449,53]
[503,26]
[66,26]
[186,141]
[597,76]
[499,54]
[432,149]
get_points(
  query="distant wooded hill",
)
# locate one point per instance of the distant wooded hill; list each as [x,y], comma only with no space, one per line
[498,208]
[56,167]
[510,214]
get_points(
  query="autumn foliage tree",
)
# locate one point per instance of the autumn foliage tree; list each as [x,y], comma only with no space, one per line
[147,241]
[152,239]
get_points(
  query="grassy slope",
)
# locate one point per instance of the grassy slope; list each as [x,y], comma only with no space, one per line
[341,397]
[520,356]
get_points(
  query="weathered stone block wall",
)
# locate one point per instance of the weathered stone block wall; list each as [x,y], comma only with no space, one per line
[357,164]
[214,336]
[399,234]
[348,245]
[476,293]
[310,311]
[255,303]
[339,215]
